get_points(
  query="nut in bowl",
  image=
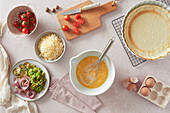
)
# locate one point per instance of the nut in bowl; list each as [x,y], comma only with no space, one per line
[49,46]
[22,21]
[105,77]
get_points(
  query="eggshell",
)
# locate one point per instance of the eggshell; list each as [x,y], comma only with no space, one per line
[134,80]
[126,82]
[145,91]
[150,82]
[131,87]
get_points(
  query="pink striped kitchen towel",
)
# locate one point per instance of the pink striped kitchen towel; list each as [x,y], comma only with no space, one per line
[63,91]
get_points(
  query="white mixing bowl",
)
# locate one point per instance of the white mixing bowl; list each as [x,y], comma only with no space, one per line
[74,61]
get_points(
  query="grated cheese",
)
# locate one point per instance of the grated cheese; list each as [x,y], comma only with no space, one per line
[50,47]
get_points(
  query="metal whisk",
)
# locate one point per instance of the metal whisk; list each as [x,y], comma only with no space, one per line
[90,75]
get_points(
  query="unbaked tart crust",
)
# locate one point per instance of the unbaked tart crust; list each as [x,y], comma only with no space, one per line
[146,31]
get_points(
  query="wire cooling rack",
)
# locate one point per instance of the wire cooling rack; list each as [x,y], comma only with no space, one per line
[167,2]
[117,24]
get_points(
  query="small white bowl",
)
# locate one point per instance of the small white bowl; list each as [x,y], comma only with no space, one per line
[39,38]
[74,61]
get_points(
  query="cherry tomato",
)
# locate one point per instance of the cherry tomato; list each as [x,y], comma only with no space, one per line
[75,24]
[20,22]
[16,24]
[30,14]
[77,16]
[67,18]
[24,17]
[32,20]
[25,30]
[20,14]
[76,31]
[20,28]
[65,28]
[25,24]
[81,21]
[31,27]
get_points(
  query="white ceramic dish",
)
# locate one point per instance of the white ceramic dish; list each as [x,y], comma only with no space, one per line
[47,76]
[36,46]
[135,6]
[74,61]
[12,16]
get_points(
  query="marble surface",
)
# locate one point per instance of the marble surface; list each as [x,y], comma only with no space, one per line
[116,99]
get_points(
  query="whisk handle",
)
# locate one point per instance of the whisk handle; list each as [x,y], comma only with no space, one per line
[106,48]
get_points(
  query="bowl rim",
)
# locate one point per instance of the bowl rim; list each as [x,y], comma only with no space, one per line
[70,70]
[36,46]
[23,5]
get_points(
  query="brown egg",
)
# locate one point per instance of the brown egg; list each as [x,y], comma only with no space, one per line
[150,82]
[145,91]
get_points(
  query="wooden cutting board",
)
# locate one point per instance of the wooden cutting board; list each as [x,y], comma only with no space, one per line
[91,17]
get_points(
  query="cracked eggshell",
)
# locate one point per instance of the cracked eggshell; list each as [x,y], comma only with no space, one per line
[134,80]
[131,87]
[126,82]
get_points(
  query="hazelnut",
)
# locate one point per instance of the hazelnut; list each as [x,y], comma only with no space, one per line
[57,7]
[47,9]
[53,10]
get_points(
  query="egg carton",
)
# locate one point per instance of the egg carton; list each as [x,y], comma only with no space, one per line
[159,93]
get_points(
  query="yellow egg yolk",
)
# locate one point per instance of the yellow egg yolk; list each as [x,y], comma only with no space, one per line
[84,65]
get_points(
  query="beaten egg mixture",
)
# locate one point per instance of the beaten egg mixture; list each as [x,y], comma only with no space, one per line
[84,65]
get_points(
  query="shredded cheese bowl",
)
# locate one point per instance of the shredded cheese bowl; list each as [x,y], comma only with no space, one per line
[49,46]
